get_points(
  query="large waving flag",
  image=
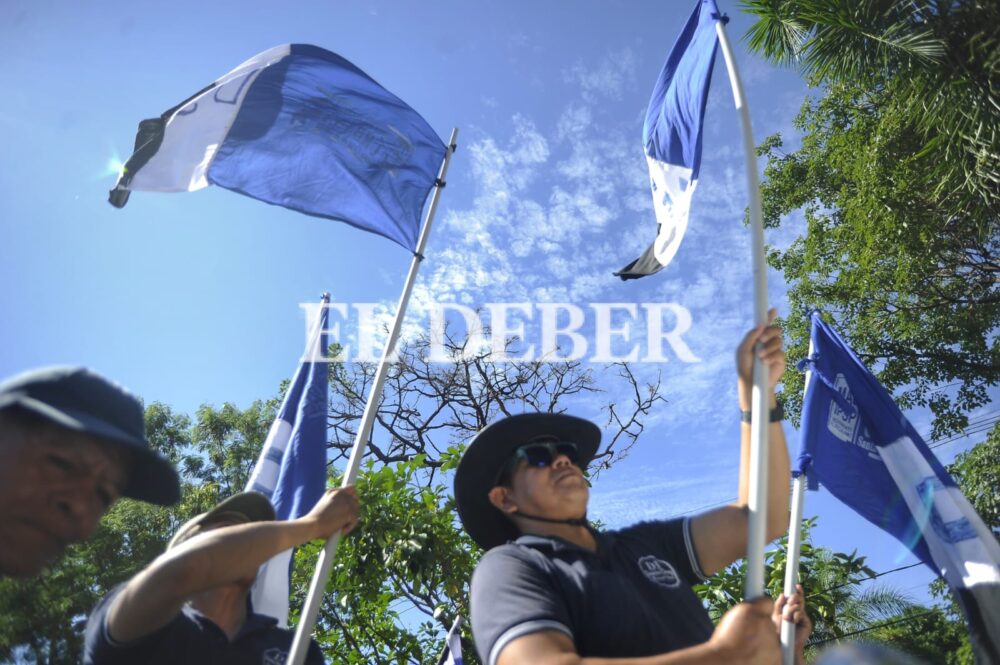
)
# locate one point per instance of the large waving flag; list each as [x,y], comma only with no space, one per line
[672,133]
[291,470]
[860,446]
[300,127]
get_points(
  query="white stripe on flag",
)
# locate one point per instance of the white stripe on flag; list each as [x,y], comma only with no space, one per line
[454,648]
[269,594]
[672,189]
[265,473]
[195,131]
[961,545]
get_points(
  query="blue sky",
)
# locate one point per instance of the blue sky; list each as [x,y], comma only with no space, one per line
[194,298]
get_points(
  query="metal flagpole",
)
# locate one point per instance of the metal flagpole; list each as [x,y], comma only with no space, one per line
[794,547]
[757,529]
[310,609]
[792,567]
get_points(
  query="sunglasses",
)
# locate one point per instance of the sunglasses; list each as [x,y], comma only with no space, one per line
[538,454]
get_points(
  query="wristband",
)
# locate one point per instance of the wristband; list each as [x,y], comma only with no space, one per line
[776,416]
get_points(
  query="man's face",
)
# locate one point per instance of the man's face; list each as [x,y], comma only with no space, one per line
[55,485]
[557,491]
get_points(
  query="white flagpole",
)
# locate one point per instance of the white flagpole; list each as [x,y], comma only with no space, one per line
[794,546]
[300,644]
[757,531]
[792,566]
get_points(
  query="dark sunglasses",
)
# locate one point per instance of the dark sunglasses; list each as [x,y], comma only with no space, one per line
[538,454]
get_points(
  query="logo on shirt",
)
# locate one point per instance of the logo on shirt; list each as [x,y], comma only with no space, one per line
[274,656]
[659,571]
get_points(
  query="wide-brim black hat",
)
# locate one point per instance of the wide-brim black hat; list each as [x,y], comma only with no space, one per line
[491,448]
[83,401]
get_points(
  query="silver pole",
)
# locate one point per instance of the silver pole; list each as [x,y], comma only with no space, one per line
[757,528]
[300,644]
[792,567]
[794,545]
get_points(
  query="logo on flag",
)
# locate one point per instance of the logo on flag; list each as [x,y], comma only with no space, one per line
[845,424]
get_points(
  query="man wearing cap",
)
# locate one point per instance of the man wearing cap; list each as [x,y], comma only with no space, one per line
[71,443]
[550,589]
[191,605]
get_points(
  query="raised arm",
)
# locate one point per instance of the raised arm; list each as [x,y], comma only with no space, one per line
[227,555]
[720,536]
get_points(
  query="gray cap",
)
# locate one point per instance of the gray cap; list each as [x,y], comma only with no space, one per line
[243,507]
[82,401]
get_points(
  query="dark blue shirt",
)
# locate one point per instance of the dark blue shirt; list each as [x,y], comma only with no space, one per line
[631,598]
[192,639]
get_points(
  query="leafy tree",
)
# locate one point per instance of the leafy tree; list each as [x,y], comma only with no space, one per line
[898,177]
[837,603]
[928,634]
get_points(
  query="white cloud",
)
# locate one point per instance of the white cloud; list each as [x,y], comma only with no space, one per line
[608,79]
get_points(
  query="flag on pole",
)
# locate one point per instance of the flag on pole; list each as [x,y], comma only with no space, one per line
[671,135]
[300,127]
[452,653]
[291,470]
[860,446]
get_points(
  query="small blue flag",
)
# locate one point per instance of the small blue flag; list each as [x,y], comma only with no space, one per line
[671,135]
[300,127]
[859,445]
[291,470]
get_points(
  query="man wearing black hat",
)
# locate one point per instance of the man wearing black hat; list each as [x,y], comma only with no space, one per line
[550,589]
[71,443]
[191,605]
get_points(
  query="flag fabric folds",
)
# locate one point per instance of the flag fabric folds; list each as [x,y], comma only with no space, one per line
[452,653]
[291,469]
[300,127]
[671,135]
[859,445]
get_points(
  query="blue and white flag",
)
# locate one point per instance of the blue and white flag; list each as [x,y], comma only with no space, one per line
[860,446]
[671,135]
[452,654]
[300,127]
[291,470]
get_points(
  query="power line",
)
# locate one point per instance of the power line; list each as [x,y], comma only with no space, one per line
[871,628]
[865,579]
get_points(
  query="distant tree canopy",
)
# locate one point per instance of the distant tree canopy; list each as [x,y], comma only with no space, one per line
[898,179]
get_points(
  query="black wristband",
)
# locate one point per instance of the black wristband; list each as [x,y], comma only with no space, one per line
[776,416]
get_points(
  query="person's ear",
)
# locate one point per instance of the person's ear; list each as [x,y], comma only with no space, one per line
[500,498]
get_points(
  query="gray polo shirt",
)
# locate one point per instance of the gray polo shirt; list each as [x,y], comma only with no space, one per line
[631,598]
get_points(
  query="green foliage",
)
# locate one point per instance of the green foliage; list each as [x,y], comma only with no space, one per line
[897,178]
[398,581]
[836,603]
[926,634]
